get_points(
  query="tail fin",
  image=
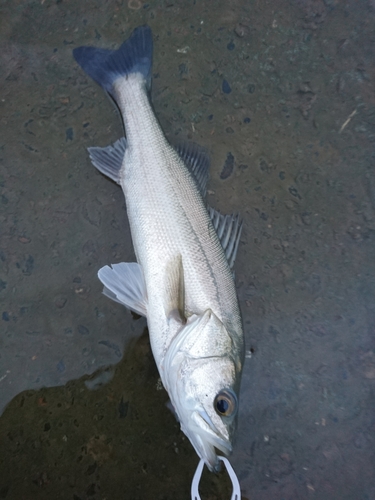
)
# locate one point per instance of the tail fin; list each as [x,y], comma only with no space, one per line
[106,66]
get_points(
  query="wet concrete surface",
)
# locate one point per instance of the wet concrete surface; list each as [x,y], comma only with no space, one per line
[284,99]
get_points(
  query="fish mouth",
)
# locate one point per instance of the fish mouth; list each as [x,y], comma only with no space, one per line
[205,437]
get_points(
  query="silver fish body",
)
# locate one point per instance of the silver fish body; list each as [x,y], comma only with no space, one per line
[182,281]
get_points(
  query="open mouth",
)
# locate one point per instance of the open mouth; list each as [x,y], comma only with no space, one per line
[205,437]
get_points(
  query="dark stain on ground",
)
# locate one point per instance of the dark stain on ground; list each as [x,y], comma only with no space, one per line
[81,440]
[228,167]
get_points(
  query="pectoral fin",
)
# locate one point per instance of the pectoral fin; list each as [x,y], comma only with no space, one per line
[174,305]
[124,283]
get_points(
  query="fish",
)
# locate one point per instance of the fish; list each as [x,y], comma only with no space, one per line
[182,280]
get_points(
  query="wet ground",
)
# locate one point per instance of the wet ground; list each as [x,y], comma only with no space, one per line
[284,99]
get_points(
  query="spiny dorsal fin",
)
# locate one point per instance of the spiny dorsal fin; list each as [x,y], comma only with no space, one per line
[228,228]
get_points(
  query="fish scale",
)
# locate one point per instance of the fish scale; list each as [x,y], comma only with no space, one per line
[158,203]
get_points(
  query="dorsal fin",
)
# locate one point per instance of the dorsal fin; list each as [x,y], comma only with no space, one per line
[228,228]
[198,162]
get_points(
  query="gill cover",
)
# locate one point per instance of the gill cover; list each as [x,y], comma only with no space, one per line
[199,372]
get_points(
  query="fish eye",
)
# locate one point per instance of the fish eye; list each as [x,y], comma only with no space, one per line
[225,403]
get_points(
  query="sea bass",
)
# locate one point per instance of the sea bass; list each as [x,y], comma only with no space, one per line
[182,281]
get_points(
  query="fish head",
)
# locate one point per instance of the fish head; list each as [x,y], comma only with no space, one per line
[202,369]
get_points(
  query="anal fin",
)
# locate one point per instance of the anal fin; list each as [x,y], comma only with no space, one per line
[109,160]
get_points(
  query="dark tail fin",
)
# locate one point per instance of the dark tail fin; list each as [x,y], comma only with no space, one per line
[106,66]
